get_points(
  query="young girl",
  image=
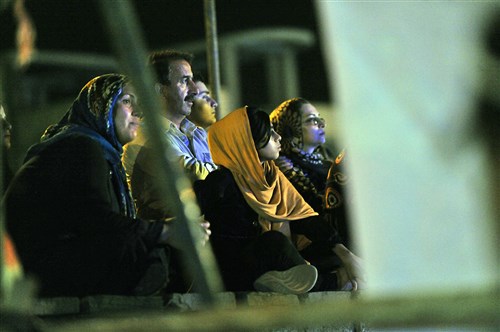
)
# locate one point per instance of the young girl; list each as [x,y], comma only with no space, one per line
[255,211]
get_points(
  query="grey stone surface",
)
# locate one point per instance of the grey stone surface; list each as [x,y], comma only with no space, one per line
[271,299]
[109,307]
[104,303]
[54,306]
[193,301]
[323,296]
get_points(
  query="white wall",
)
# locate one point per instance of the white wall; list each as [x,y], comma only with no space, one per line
[406,75]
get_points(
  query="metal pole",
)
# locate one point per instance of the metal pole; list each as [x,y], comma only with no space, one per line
[129,46]
[212,52]
[2,215]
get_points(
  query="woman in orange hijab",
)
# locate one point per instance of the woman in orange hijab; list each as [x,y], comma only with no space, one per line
[256,213]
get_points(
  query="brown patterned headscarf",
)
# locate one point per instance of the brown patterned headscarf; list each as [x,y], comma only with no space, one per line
[93,108]
[307,171]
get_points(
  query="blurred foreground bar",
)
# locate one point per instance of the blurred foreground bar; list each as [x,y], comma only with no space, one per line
[444,310]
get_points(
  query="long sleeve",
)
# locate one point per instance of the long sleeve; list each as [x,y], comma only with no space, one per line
[190,145]
[317,229]
[192,152]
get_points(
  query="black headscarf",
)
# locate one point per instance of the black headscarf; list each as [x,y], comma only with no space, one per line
[92,115]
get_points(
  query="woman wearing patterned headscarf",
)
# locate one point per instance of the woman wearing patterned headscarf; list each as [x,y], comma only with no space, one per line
[254,210]
[302,159]
[305,162]
[69,209]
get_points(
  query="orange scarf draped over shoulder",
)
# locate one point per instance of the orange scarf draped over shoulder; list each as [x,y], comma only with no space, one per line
[264,187]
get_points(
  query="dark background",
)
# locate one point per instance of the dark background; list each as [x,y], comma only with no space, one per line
[70,25]
[40,94]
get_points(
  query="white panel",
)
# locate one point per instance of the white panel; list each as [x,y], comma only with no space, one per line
[405,75]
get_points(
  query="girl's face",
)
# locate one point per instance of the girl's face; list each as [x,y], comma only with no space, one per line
[203,110]
[313,128]
[271,150]
[127,120]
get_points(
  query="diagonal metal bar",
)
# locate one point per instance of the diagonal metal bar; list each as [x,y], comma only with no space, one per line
[2,220]
[122,23]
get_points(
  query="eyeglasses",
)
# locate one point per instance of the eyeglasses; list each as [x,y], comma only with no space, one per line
[315,121]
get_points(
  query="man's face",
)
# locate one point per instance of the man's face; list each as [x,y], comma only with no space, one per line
[180,93]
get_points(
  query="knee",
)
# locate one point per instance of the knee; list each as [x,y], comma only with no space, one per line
[274,239]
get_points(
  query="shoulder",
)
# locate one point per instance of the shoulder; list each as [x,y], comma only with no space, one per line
[216,181]
[74,155]
[78,145]
[199,131]
[131,151]
[221,174]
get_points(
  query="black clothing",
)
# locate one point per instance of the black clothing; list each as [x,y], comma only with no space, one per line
[309,179]
[237,238]
[63,213]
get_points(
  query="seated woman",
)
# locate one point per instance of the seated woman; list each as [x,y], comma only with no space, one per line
[306,163]
[69,210]
[254,210]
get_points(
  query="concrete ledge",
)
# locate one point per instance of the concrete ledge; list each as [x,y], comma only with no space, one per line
[193,301]
[106,303]
[56,306]
[271,299]
[59,306]
[323,296]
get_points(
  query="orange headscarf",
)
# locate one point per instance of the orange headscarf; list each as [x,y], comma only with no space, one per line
[264,187]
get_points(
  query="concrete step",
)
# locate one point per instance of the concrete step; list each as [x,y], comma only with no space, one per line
[59,306]
[108,308]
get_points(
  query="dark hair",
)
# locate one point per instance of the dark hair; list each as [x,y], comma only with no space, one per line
[160,62]
[297,103]
[260,125]
[198,77]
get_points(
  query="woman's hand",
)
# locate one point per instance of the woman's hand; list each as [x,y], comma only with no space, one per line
[283,162]
[353,266]
[171,233]
[205,225]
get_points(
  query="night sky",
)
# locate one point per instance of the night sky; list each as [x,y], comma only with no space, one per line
[71,25]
